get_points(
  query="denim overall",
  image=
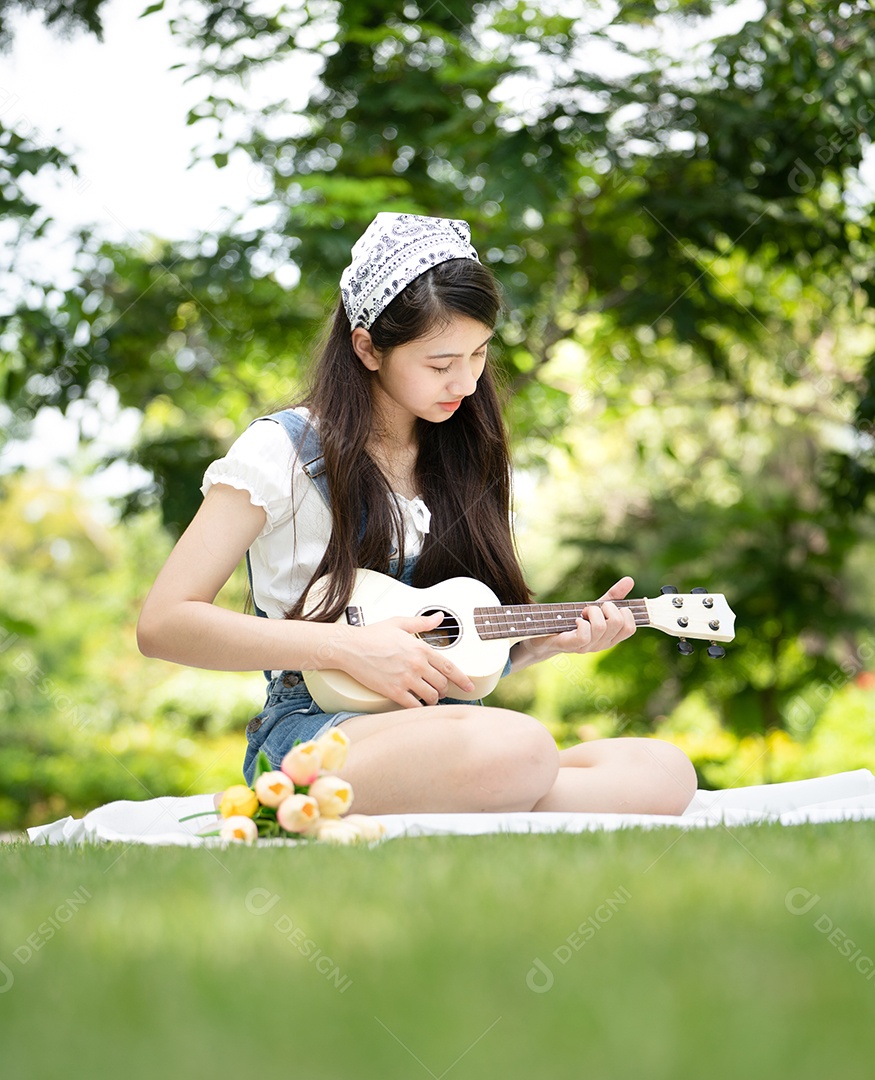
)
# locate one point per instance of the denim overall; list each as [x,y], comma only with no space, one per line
[290,713]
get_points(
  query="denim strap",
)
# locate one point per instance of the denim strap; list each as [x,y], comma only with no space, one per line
[305,439]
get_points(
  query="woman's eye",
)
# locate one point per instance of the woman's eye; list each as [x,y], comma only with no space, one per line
[441,370]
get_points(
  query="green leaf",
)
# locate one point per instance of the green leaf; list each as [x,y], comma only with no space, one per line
[17,626]
[151,9]
[262,765]
[269,828]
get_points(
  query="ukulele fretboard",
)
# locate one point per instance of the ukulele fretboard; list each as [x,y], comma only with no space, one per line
[538,620]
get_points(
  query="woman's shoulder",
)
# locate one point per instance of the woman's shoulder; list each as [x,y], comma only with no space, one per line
[297,422]
[263,454]
[265,461]
[278,432]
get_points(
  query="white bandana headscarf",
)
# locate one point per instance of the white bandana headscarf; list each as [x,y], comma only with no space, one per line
[393,251]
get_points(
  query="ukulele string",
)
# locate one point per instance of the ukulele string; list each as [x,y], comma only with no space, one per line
[543,619]
[535,619]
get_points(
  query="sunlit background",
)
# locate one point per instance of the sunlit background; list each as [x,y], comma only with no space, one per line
[677,201]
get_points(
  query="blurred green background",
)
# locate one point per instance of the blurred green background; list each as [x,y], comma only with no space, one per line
[681,220]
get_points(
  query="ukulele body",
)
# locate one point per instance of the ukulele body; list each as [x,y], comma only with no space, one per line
[376,597]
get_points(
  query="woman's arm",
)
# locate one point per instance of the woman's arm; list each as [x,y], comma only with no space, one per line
[180,622]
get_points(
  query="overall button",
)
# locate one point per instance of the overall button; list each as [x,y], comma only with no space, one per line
[290,679]
[254,724]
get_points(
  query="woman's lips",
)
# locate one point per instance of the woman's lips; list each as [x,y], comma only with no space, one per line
[450,406]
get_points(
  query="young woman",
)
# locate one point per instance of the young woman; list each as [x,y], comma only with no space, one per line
[396,461]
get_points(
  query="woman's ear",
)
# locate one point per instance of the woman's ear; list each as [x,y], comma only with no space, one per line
[364,349]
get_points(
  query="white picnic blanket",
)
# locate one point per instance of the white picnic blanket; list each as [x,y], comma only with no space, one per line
[847,796]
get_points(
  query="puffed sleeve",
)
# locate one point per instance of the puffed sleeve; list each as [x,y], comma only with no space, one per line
[264,463]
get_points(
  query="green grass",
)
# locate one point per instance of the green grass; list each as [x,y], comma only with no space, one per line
[166,970]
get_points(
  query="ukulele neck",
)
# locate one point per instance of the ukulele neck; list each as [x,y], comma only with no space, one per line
[539,620]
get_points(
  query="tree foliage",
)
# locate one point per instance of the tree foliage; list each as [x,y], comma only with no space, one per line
[686,248]
[65,17]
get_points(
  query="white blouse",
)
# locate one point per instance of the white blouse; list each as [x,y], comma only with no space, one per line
[288,549]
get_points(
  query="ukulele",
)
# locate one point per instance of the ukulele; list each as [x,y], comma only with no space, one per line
[477,631]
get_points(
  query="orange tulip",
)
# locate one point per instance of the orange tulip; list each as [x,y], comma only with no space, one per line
[334,746]
[239,828]
[297,813]
[302,763]
[333,795]
[333,831]
[272,787]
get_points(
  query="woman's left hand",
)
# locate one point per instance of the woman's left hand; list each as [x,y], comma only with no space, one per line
[597,628]
[600,627]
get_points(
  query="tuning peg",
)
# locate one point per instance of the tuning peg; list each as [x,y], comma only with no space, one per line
[685,647]
[715,651]
[668,589]
[699,589]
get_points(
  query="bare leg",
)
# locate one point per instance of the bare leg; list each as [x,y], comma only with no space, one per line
[465,759]
[626,776]
[448,759]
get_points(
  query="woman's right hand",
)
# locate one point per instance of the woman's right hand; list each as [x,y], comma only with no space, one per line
[390,659]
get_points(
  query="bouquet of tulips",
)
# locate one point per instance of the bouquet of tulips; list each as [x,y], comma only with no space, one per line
[302,799]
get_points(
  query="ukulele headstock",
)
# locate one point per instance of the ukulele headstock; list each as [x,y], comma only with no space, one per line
[700,615]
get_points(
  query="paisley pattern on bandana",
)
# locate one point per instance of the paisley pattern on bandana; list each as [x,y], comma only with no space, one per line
[393,251]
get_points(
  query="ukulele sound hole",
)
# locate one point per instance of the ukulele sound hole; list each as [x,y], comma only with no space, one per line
[446,633]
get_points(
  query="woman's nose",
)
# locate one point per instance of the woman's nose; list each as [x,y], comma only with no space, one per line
[465,384]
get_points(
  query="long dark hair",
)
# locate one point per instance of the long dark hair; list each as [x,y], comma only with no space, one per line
[463,470]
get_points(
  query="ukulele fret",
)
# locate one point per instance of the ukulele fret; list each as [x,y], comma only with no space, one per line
[539,620]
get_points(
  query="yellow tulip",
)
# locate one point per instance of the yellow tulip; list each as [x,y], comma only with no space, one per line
[272,787]
[238,800]
[334,746]
[297,813]
[333,795]
[302,763]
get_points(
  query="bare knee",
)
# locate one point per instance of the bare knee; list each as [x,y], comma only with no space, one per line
[673,775]
[515,760]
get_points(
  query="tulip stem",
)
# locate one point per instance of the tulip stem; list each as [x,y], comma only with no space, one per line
[203,813]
